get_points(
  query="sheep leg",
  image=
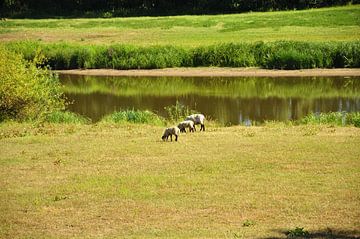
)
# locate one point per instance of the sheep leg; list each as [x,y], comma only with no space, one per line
[202,127]
[176,137]
[171,137]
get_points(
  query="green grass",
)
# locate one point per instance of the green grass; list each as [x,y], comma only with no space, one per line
[333,118]
[65,117]
[122,181]
[336,23]
[272,55]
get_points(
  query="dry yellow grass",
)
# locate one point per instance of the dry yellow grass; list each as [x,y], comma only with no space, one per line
[106,181]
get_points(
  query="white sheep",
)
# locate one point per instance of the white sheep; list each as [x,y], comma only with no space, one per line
[170,132]
[186,124]
[197,119]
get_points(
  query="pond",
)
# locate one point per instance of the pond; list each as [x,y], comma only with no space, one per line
[230,101]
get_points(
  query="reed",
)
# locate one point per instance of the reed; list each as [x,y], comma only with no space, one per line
[271,55]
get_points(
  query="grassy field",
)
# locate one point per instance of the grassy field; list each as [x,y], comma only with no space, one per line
[122,181]
[337,23]
[111,180]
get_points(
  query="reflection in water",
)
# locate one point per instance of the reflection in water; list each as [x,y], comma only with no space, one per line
[228,100]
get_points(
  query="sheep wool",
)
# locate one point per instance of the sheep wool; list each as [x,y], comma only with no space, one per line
[186,124]
[197,119]
[170,132]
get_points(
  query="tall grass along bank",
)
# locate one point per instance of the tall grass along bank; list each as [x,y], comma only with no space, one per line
[333,118]
[271,55]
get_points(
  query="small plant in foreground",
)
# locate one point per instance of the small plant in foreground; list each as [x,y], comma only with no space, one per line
[248,223]
[298,232]
[59,198]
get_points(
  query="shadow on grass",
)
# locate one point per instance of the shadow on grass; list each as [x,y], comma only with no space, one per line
[327,233]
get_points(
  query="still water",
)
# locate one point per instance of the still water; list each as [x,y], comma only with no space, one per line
[229,100]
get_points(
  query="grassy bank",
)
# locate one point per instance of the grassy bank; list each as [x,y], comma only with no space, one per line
[271,55]
[123,181]
[318,38]
[336,23]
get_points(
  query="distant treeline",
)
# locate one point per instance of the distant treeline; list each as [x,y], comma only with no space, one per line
[271,55]
[121,8]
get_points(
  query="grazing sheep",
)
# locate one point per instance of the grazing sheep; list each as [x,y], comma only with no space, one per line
[170,132]
[197,119]
[186,124]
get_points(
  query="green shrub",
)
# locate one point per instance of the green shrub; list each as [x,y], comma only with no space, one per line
[66,117]
[134,116]
[27,92]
